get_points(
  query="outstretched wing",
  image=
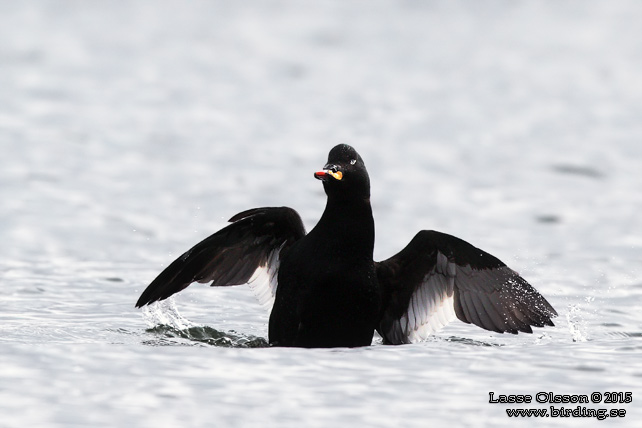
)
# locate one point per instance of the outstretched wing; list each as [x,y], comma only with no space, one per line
[438,277]
[236,254]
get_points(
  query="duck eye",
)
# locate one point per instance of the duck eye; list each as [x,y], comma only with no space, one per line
[353,161]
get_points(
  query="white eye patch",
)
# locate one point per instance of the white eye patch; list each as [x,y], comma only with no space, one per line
[353,161]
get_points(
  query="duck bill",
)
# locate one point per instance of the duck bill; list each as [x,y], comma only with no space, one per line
[321,175]
[327,174]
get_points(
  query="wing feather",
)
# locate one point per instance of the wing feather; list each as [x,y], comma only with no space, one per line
[438,278]
[248,250]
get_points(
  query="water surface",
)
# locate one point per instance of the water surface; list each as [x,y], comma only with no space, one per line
[131,130]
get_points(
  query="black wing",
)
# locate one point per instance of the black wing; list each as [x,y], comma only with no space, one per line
[438,277]
[233,255]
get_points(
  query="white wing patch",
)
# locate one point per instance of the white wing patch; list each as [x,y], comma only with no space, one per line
[264,281]
[431,306]
[437,314]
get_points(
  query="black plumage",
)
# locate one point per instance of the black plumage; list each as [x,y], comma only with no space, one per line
[327,290]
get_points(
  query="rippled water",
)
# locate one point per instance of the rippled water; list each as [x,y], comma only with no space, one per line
[131,130]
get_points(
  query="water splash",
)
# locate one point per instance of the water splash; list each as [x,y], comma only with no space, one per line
[164,320]
[165,313]
[576,323]
[206,335]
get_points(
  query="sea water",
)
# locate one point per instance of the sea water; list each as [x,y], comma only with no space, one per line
[129,131]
